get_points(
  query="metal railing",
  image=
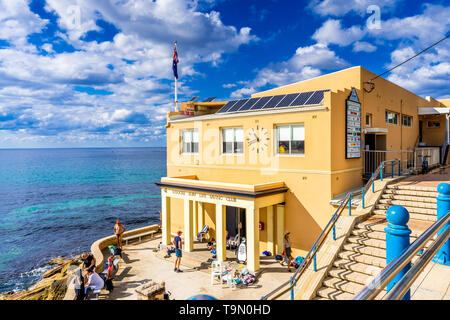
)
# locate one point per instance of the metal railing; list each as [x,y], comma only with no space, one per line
[331,226]
[392,269]
[432,153]
[373,158]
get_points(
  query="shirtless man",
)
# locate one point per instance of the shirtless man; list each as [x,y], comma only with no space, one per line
[119,229]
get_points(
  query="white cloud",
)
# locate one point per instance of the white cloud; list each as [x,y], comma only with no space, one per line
[307,62]
[340,8]
[359,46]
[332,32]
[17,21]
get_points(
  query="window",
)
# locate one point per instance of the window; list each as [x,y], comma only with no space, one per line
[291,139]
[391,117]
[433,124]
[233,140]
[406,120]
[368,120]
[189,141]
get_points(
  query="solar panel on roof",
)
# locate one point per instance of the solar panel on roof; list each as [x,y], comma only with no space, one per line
[315,98]
[301,99]
[261,103]
[227,106]
[193,99]
[287,100]
[238,105]
[274,102]
[249,104]
[210,99]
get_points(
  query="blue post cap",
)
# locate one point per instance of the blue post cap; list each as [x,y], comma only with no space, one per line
[443,188]
[397,215]
[201,297]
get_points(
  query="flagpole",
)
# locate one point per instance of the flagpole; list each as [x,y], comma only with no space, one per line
[176,86]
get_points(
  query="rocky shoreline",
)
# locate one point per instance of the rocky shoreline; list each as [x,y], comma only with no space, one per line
[53,285]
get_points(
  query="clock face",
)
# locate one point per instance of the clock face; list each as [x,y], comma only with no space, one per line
[257,139]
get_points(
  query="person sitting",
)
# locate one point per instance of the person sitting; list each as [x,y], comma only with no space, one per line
[211,245]
[94,282]
[88,261]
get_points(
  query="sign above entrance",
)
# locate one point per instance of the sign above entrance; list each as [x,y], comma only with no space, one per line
[353,126]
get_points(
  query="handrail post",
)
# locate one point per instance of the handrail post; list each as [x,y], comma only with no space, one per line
[362,196]
[350,206]
[314,261]
[381,173]
[292,288]
[373,184]
[399,167]
[397,241]
[443,206]
[392,169]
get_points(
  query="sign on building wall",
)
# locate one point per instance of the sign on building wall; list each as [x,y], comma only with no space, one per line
[353,126]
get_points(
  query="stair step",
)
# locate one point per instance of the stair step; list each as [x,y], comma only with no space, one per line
[352,276]
[408,198]
[368,242]
[357,266]
[376,252]
[320,298]
[419,210]
[408,203]
[369,225]
[343,285]
[412,215]
[333,294]
[369,234]
[412,192]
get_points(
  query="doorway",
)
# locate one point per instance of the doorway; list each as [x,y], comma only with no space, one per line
[375,144]
[235,222]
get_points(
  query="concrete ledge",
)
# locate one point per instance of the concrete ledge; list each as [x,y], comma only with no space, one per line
[98,246]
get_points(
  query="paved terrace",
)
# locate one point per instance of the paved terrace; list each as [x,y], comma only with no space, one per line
[141,264]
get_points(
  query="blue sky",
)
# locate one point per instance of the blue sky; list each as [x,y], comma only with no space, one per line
[83,73]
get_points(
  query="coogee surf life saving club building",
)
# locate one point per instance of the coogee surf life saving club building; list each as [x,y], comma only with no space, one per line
[276,161]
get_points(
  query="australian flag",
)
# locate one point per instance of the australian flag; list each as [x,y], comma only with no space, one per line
[175,63]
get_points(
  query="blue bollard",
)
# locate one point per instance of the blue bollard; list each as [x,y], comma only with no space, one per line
[443,206]
[397,241]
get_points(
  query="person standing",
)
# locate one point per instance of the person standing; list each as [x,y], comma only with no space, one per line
[119,229]
[287,249]
[78,283]
[178,253]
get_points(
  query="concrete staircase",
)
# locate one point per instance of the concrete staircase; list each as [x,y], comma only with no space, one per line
[363,254]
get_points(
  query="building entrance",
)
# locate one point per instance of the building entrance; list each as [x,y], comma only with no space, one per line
[235,220]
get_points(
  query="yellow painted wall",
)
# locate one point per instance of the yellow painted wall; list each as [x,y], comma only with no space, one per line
[434,136]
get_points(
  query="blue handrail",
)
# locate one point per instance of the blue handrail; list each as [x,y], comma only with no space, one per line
[311,256]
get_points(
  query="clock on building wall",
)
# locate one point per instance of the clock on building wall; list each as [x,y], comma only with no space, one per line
[257,139]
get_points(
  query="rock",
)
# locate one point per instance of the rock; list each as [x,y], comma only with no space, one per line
[60,260]
[150,291]
[52,272]
[57,290]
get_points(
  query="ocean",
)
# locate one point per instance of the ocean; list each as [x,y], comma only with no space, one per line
[57,202]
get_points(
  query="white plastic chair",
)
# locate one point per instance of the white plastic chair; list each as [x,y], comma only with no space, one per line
[216,271]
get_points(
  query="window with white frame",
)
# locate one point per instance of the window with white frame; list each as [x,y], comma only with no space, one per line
[391,117]
[291,139]
[368,120]
[189,141]
[406,120]
[433,124]
[232,140]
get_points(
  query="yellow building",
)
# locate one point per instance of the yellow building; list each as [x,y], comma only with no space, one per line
[274,162]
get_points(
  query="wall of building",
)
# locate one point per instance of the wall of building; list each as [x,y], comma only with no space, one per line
[434,136]
[312,179]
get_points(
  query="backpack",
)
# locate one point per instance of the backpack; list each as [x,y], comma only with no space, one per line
[109,285]
[118,252]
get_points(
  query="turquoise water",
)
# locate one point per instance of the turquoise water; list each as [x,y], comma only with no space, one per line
[58,201]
